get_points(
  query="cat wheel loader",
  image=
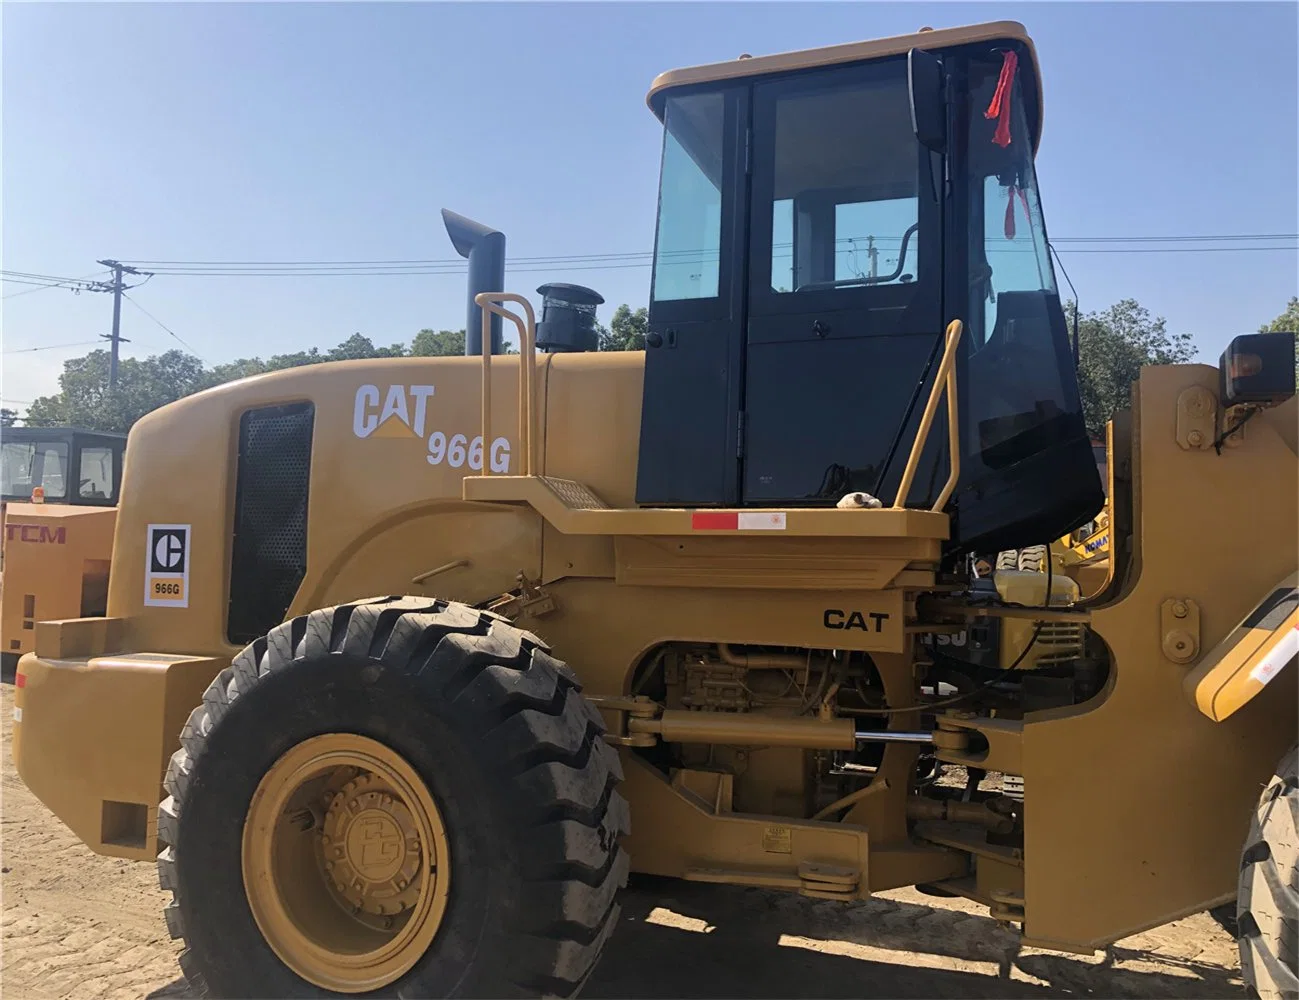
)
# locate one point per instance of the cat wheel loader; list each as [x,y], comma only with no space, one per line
[623,623]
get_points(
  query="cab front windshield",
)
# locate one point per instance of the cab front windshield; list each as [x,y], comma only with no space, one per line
[1016,350]
[25,465]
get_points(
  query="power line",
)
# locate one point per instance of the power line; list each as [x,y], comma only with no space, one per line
[30,274]
[1176,239]
[581,262]
[27,281]
[593,261]
[1183,249]
[50,347]
[395,272]
[163,325]
[159,265]
[43,281]
[300,269]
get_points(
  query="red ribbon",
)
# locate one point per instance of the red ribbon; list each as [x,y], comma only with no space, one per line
[999,107]
[1010,209]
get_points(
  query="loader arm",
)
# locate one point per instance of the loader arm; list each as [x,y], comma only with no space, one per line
[1251,655]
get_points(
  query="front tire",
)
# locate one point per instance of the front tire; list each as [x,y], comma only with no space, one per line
[1268,893]
[462,772]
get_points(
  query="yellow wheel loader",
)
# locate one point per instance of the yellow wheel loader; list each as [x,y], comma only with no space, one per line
[58,488]
[677,611]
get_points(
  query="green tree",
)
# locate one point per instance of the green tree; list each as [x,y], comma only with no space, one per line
[1113,345]
[626,330]
[8,417]
[143,384]
[438,344]
[356,347]
[1287,322]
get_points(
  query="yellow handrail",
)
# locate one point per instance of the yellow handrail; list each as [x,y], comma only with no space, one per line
[491,303]
[945,380]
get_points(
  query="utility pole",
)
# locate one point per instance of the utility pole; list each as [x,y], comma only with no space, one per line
[117,288]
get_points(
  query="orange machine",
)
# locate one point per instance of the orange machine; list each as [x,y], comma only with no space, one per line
[54,553]
[56,565]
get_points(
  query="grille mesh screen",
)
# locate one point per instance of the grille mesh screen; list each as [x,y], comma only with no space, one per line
[269,555]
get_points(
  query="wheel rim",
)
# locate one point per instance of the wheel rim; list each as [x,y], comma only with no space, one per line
[345,862]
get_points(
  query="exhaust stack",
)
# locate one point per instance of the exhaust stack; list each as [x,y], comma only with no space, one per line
[484,248]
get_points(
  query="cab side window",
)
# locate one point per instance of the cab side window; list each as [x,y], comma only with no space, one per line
[96,474]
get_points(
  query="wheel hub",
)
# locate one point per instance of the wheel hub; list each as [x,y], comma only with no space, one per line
[371,849]
[346,862]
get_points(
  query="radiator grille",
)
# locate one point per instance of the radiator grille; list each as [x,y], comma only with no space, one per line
[269,554]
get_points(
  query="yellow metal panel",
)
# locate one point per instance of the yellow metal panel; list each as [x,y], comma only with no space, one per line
[55,555]
[87,732]
[798,563]
[388,458]
[592,424]
[1136,804]
[489,546]
[556,501]
[80,638]
[675,835]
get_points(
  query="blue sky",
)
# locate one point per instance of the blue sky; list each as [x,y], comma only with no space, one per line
[300,131]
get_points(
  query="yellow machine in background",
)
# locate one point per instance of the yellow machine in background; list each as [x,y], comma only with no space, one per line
[408,662]
[55,553]
[57,563]
[1083,555]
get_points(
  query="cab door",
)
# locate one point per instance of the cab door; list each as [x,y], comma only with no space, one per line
[845,290]
[689,440]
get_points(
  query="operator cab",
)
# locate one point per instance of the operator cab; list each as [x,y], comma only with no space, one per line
[822,217]
[71,465]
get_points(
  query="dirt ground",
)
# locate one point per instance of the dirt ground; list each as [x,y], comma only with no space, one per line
[76,925]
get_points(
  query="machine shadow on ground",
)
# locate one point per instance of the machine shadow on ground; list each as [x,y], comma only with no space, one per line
[679,939]
[765,944]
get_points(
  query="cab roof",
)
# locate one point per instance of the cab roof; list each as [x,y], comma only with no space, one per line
[747,67]
[60,433]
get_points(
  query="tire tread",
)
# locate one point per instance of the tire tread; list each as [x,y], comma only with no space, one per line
[540,733]
[1268,891]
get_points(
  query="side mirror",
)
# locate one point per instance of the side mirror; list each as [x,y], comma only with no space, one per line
[926,91]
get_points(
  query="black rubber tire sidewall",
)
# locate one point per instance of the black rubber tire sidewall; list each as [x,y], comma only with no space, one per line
[344,693]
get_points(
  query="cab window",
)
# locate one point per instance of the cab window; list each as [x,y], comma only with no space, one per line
[28,464]
[96,473]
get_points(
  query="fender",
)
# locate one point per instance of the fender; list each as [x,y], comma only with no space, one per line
[1251,655]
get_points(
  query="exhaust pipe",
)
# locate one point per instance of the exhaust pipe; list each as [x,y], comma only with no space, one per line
[484,248]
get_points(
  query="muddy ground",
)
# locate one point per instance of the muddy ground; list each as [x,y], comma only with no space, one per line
[76,925]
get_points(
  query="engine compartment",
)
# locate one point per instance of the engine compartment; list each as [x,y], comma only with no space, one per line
[998,664]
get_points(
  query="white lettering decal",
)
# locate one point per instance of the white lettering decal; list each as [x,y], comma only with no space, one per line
[373,407]
[456,451]
[420,393]
[437,447]
[363,424]
[501,455]
[395,405]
